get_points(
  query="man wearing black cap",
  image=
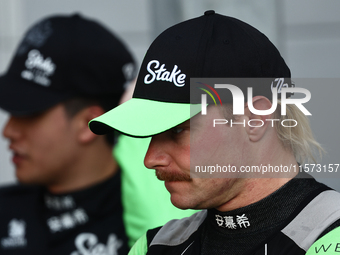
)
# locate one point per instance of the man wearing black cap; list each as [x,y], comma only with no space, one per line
[66,71]
[283,210]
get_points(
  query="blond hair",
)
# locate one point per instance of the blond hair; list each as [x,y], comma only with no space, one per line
[299,139]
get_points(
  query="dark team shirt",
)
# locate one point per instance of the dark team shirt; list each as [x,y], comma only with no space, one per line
[288,221]
[34,221]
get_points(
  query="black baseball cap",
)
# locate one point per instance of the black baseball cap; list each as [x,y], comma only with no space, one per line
[210,46]
[63,57]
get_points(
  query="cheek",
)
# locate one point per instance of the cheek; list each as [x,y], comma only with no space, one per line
[49,142]
[215,147]
[183,157]
[221,189]
[202,146]
[215,186]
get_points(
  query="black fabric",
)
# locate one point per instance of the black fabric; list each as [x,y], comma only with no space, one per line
[33,221]
[260,231]
[278,244]
[151,233]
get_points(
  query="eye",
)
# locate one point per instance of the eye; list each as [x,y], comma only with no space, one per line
[177,130]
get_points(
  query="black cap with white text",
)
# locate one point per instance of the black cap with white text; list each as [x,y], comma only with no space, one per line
[62,57]
[209,46]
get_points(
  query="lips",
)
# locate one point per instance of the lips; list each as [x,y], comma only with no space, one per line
[18,157]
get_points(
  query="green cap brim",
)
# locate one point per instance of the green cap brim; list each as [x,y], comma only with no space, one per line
[143,118]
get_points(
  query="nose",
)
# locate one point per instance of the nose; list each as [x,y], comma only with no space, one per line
[157,155]
[11,130]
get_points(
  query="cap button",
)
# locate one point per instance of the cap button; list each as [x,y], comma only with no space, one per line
[210,12]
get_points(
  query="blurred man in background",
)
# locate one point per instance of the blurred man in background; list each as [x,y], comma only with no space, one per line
[66,71]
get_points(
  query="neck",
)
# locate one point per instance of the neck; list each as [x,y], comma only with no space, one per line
[92,165]
[253,191]
[257,186]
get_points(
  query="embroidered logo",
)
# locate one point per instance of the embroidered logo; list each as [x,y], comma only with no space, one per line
[67,220]
[279,83]
[38,68]
[36,37]
[16,234]
[160,73]
[59,203]
[240,221]
[87,244]
[128,71]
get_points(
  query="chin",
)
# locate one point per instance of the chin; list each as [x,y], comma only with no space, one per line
[180,203]
[24,179]
[20,177]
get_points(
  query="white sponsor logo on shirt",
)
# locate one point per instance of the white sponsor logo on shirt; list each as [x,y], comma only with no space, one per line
[87,244]
[59,203]
[241,221]
[16,234]
[67,220]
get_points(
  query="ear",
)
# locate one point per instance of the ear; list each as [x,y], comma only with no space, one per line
[257,124]
[85,135]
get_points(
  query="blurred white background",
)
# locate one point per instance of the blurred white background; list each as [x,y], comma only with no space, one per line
[307,33]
